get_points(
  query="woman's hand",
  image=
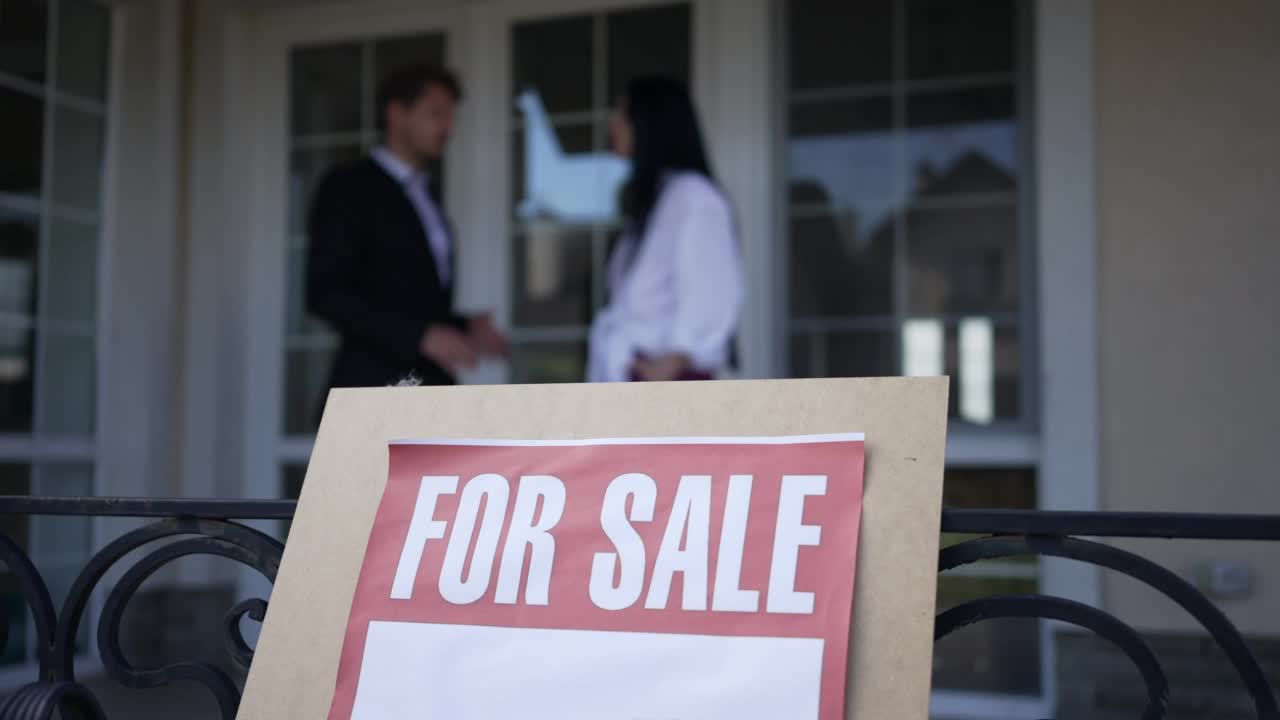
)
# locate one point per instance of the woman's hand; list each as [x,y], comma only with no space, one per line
[661,368]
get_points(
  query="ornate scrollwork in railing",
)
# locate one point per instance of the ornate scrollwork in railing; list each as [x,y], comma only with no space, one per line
[191,528]
[205,527]
[1017,533]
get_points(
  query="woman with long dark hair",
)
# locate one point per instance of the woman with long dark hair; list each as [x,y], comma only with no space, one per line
[675,277]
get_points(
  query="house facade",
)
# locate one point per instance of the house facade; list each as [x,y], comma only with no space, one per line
[1065,205]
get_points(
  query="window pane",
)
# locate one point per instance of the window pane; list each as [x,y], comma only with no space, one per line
[982,356]
[59,546]
[837,43]
[68,385]
[949,38]
[22,128]
[291,478]
[836,271]
[17,358]
[869,119]
[963,260]
[306,168]
[1001,655]
[390,54]
[819,353]
[539,190]
[24,33]
[841,160]
[72,284]
[556,58]
[548,363]
[15,479]
[553,276]
[651,41]
[984,361]
[61,542]
[19,233]
[325,89]
[306,384]
[962,142]
[990,488]
[82,48]
[77,159]
[903,195]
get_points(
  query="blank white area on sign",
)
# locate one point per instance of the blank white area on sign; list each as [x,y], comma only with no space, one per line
[468,672]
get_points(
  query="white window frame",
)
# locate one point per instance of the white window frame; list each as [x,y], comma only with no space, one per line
[1067,280]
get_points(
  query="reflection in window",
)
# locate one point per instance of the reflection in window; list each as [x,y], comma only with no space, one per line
[904,165]
[17,382]
[19,233]
[972,353]
[53,114]
[59,546]
[552,283]
[963,260]
[977,370]
[844,152]
[22,132]
[922,348]
[962,142]
[53,62]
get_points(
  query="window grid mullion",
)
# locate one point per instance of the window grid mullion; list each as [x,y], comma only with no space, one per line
[600,102]
[901,276]
[40,348]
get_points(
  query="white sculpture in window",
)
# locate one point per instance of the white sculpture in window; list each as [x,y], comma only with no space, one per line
[577,189]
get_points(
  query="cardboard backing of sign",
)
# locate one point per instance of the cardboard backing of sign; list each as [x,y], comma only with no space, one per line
[904,420]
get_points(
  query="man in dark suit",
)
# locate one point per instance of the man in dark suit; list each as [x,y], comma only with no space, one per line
[380,268]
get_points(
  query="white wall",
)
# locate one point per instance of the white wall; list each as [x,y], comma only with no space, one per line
[1189,212]
[143,288]
[174,321]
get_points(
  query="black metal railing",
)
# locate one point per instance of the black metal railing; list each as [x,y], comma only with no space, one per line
[207,527]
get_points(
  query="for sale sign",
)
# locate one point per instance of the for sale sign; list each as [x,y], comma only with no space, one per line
[626,578]
[756,549]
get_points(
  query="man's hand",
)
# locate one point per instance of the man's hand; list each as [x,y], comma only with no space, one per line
[447,347]
[661,368]
[486,337]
